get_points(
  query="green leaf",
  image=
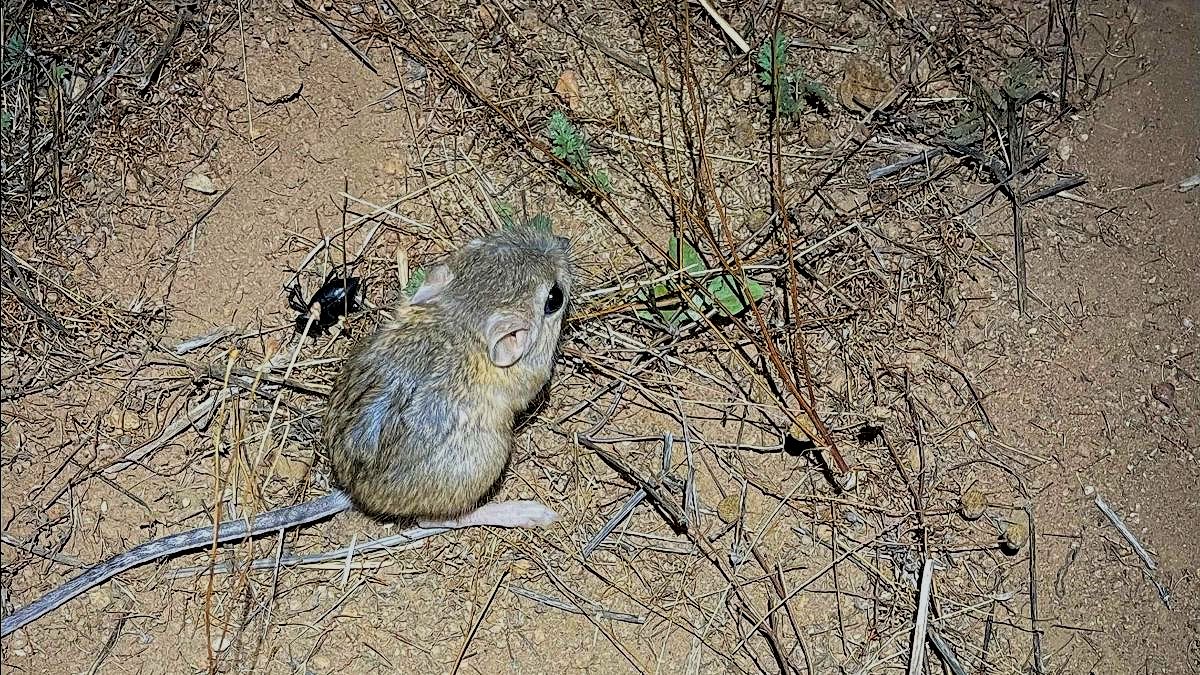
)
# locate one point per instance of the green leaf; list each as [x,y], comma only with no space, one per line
[558,124]
[1023,80]
[646,314]
[567,178]
[817,90]
[602,181]
[679,316]
[966,129]
[684,255]
[506,212]
[541,222]
[727,294]
[662,302]
[653,294]
[414,281]
[772,59]
[15,45]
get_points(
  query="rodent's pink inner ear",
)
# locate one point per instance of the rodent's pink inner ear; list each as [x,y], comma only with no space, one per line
[509,339]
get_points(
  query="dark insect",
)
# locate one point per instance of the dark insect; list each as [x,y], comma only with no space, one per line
[337,298]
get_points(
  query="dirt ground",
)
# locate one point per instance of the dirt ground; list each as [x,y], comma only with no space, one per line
[1095,393]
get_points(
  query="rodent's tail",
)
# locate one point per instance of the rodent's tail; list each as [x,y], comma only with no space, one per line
[271,521]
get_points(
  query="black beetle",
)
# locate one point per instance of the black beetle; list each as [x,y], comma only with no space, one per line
[335,299]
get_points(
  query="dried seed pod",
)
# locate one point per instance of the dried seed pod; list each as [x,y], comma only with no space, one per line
[972,503]
[1016,536]
[729,508]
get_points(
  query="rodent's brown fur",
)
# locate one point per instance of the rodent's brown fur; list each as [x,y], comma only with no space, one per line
[419,423]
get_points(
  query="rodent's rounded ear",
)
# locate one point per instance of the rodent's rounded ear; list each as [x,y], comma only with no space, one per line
[435,282]
[509,339]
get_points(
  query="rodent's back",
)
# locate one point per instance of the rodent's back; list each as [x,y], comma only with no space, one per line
[420,420]
[413,426]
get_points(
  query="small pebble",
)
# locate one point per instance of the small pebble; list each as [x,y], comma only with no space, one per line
[519,569]
[18,641]
[200,183]
[1164,393]
[1089,490]
[1064,148]
[393,167]
[100,597]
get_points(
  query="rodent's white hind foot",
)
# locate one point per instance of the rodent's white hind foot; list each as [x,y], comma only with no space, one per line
[519,513]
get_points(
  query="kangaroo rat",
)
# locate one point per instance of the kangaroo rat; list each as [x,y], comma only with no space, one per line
[420,420]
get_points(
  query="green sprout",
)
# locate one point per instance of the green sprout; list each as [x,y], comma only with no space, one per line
[541,222]
[569,145]
[792,89]
[1023,80]
[506,213]
[665,300]
[415,279]
[14,52]
[508,218]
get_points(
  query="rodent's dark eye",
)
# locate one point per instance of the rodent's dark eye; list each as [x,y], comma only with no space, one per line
[554,299]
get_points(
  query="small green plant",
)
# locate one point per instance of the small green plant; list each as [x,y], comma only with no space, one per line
[508,219]
[992,106]
[793,90]
[541,222]
[14,51]
[1023,80]
[506,213]
[15,44]
[666,301]
[569,144]
[415,279]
